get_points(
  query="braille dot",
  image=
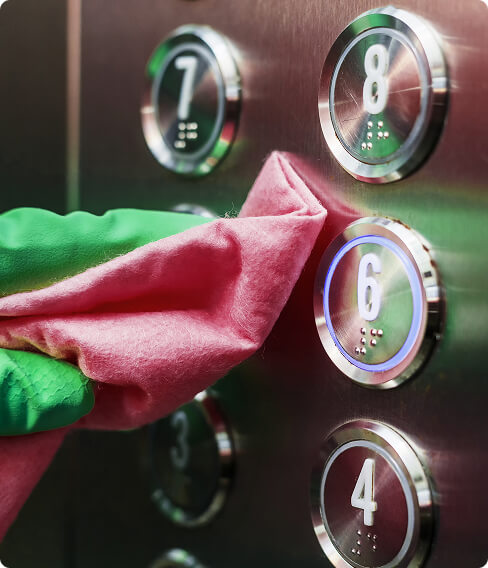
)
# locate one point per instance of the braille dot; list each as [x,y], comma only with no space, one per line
[363,145]
[370,135]
[363,351]
[363,341]
[374,547]
[363,330]
[358,553]
[374,332]
[181,135]
[370,124]
[374,537]
[357,351]
[380,135]
[380,333]
[353,551]
[380,124]
[358,533]
[358,542]
[182,126]
[387,135]
[373,342]
[369,535]
[370,146]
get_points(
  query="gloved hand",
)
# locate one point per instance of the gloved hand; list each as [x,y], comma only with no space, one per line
[156,325]
[37,249]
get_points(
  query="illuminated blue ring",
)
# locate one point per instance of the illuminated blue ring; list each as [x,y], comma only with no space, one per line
[415,288]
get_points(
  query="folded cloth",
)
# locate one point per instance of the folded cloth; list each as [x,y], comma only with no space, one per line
[39,248]
[156,325]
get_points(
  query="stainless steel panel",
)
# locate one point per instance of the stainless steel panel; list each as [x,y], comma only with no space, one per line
[287,399]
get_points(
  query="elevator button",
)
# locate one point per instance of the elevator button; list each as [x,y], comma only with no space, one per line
[377,302]
[371,500]
[176,558]
[191,458]
[383,95]
[191,101]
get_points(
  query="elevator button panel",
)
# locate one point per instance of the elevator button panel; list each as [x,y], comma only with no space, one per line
[383,95]
[377,302]
[191,101]
[191,459]
[371,500]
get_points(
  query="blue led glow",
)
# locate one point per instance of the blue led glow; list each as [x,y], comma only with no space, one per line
[415,287]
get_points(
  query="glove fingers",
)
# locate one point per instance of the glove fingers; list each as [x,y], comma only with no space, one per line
[39,248]
[38,393]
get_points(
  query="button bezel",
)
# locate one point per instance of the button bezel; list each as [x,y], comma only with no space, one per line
[432,68]
[404,460]
[431,303]
[216,46]
[225,446]
[176,558]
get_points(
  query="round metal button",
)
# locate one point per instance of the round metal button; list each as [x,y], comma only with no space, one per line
[371,500]
[377,302]
[192,460]
[383,95]
[176,558]
[191,101]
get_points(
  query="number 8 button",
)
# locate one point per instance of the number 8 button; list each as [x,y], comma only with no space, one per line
[383,95]
[377,302]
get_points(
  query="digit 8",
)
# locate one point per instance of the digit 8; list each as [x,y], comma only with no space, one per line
[376,66]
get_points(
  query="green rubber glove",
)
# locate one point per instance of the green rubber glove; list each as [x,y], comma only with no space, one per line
[39,248]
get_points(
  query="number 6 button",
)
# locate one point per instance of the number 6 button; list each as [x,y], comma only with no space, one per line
[377,302]
[383,95]
[191,459]
[371,500]
[191,103]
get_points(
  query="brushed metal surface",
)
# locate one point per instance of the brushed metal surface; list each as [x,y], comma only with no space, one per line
[287,399]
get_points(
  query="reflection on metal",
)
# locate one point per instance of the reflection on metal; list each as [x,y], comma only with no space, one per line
[191,103]
[194,209]
[395,487]
[176,558]
[192,458]
[377,302]
[383,95]
[73,70]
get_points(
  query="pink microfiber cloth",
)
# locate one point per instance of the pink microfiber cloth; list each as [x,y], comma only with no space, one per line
[155,326]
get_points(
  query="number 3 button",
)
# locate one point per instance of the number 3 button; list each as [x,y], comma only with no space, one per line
[377,302]
[383,95]
[192,460]
[371,500]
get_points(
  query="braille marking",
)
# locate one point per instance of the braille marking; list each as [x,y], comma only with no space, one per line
[363,145]
[380,135]
[373,342]
[370,124]
[380,333]
[370,135]
[386,135]
[369,146]
[362,351]
[374,332]
[363,341]
[357,351]
[180,144]
[358,533]
[380,124]
[363,331]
